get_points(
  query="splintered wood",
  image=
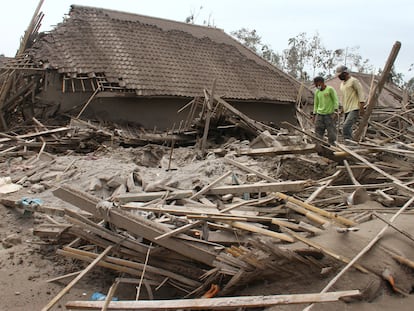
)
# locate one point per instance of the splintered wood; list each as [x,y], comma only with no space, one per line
[261,213]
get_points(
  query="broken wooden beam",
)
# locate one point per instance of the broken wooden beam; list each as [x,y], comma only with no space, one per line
[287,186]
[149,196]
[225,303]
[330,215]
[209,186]
[309,148]
[137,225]
[30,135]
[250,170]
[266,232]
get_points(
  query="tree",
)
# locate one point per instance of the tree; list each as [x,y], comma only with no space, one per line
[410,83]
[253,41]
[248,38]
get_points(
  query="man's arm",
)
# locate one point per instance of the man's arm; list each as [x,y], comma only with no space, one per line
[335,99]
[315,102]
[358,89]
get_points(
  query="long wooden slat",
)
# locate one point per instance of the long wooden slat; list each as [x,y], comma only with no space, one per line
[256,229]
[89,256]
[271,151]
[212,184]
[149,196]
[250,170]
[227,303]
[287,186]
[398,183]
[30,135]
[138,225]
[75,280]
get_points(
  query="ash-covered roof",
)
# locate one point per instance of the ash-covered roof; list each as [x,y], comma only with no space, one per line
[157,57]
[390,96]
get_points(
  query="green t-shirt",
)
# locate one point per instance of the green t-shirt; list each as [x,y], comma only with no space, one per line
[326,101]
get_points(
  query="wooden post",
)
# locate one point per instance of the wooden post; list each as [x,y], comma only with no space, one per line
[372,100]
[88,102]
[209,106]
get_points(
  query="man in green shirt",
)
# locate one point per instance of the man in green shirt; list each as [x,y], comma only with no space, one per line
[325,106]
[352,100]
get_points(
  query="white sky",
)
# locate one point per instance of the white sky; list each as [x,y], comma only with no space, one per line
[373,25]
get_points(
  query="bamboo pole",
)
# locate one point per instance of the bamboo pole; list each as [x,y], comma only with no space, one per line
[330,215]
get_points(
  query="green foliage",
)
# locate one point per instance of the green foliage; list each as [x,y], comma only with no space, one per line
[306,56]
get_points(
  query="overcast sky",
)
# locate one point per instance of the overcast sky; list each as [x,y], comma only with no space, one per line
[372,25]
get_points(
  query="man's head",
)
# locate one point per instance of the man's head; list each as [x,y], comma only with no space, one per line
[319,83]
[342,73]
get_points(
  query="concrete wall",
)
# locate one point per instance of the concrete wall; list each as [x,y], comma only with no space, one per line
[162,112]
[148,112]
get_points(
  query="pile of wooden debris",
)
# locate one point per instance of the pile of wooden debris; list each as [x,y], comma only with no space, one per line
[271,208]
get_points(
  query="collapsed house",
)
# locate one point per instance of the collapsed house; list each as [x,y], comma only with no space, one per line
[142,70]
[391,96]
[249,213]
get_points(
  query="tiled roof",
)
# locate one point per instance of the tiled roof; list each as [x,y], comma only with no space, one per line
[390,96]
[157,57]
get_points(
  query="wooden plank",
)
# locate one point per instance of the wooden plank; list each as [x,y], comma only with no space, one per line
[225,303]
[250,170]
[395,180]
[149,196]
[134,265]
[138,225]
[209,186]
[256,126]
[256,229]
[287,186]
[179,230]
[75,280]
[48,132]
[105,233]
[309,148]
[313,196]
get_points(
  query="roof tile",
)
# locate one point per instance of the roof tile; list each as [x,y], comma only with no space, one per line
[160,57]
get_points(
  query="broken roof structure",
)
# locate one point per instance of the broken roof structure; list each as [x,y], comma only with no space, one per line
[137,57]
[156,57]
[391,96]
